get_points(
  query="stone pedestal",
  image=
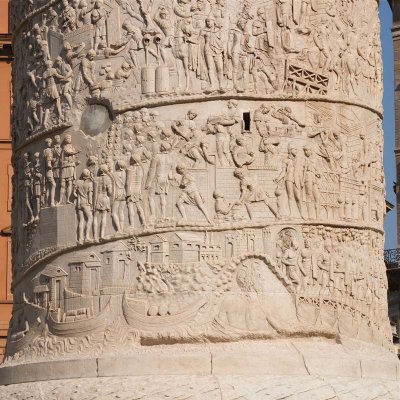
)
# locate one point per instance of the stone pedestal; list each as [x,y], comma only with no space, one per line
[297,369]
[56,228]
[224,236]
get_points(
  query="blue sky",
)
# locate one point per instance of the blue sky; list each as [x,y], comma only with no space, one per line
[388,120]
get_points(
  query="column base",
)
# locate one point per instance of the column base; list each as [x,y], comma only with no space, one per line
[297,368]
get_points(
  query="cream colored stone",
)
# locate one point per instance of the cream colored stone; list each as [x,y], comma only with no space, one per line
[379,369]
[35,372]
[157,363]
[198,191]
[279,358]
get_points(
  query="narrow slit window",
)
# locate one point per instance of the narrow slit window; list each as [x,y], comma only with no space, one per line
[246,121]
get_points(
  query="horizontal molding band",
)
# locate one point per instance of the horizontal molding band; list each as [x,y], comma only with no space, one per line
[274,357]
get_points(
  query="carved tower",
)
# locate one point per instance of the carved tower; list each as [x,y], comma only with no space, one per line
[198,201]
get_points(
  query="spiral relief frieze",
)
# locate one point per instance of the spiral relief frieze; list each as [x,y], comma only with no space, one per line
[196,172]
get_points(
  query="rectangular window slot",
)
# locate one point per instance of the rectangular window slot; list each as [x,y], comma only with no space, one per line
[246,121]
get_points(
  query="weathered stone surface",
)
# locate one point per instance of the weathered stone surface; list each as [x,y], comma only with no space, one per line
[156,363]
[95,119]
[207,388]
[198,192]
[32,372]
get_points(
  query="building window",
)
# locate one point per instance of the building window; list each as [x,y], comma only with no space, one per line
[121,269]
[246,121]
[57,294]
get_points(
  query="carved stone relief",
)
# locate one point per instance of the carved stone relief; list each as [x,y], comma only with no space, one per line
[113,49]
[153,172]
[197,171]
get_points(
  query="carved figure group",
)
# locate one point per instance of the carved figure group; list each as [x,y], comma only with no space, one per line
[191,48]
[144,163]
[330,270]
[50,178]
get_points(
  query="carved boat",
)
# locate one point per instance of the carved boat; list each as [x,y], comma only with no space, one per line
[327,314]
[139,320]
[80,327]
[365,331]
[15,345]
[347,323]
[19,340]
[307,312]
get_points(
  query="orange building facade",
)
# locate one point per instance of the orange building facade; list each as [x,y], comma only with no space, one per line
[5,173]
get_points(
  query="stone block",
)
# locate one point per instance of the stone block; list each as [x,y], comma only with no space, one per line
[57,227]
[156,363]
[327,358]
[273,359]
[332,366]
[379,369]
[45,371]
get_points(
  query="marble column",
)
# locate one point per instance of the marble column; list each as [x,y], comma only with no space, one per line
[198,201]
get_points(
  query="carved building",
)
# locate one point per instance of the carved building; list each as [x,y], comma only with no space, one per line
[85,273]
[198,183]
[54,279]
[5,175]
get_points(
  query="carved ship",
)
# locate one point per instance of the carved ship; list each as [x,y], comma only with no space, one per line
[88,325]
[135,318]
[21,339]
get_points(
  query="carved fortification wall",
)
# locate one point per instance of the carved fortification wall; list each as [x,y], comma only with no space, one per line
[198,190]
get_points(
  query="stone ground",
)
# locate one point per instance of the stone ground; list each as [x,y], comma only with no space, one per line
[224,387]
